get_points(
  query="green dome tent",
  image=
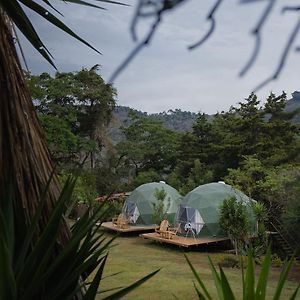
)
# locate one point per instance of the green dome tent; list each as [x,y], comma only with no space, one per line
[138,207]
[198,213]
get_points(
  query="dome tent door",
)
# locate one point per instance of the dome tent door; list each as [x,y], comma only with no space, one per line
[189,219]
[131,211]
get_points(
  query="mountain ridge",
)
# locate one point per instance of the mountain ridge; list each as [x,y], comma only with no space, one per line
[177,119]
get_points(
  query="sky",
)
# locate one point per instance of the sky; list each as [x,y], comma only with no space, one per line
[165,74]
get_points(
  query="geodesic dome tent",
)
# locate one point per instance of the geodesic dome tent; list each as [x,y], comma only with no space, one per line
[138,207]
[198,213]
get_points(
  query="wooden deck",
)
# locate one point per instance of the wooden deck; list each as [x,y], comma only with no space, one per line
[181,240]
[111,226]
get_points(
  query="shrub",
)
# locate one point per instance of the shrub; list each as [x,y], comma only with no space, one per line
[229,262]
[161,207]
[235,221]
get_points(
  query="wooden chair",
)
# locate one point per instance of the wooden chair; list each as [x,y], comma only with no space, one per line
[121,221]
[162,227]
[165,231]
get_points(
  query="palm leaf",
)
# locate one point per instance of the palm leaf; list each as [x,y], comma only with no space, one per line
[263,277]
[128,289]
[81,2]
[93,288]
[198,278]
[227,291]
[282,278]
[293,297]
[49,4]
[55,21]
[18,16]
[16,13]
[217,279]
[249,290]
[199,294]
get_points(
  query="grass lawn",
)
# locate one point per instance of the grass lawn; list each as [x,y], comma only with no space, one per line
[136,257]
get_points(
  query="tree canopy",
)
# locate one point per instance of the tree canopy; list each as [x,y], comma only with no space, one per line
[74,109]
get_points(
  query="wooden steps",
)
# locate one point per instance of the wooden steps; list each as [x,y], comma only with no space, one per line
[284,240]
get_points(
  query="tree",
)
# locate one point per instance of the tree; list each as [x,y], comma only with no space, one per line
[185,182]
[77,106]
[234,220]
[281,144]
[161,207]
[149,146]
[272,186]
[249,177]
[222,142]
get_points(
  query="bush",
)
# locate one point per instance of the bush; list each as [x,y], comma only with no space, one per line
[229,262]
[234,220]
[276,261]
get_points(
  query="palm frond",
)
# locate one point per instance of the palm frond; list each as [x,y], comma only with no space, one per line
[16,13]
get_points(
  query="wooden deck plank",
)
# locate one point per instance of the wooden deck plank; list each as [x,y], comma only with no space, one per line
[181,240]
[111,226]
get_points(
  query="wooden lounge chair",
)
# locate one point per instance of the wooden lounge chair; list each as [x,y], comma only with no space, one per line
[121,221]
[165,231]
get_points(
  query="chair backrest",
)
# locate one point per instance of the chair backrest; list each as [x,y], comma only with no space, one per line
[164,225]
[121,218]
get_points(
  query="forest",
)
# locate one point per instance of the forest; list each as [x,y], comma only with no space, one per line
[254,146]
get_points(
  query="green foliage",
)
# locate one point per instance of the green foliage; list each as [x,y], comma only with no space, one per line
[264,133]
[259,243]
[249,176]
[85,187]
[148,146]
[273,186]
[197,175]
[114,208]
[161,207]
[291,214]
[74,109]
[234,220]
[251,291]
[145,177]
[229,262]
[276,261]
[32,269]
[61,141]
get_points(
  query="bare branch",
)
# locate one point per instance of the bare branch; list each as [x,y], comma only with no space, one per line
[283,58]
[257,34]
[210,17]
[145,8]
[136,50]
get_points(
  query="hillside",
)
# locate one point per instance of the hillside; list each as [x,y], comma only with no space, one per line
[177,119]
[294,104]
[173,119]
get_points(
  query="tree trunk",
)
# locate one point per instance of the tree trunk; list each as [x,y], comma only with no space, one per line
[25,165]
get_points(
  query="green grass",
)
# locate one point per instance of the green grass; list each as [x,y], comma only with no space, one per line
[137,257]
